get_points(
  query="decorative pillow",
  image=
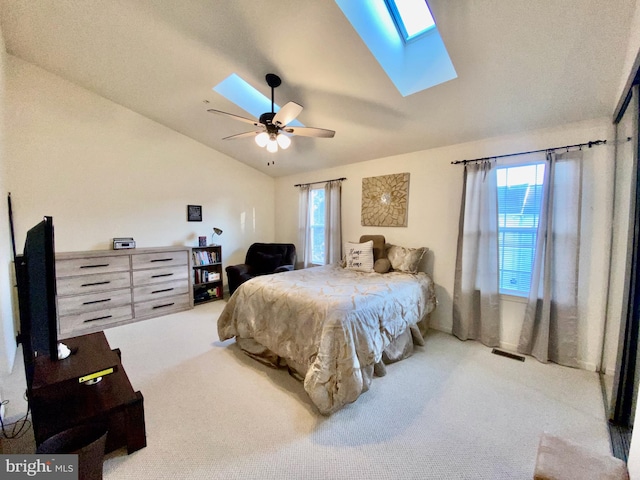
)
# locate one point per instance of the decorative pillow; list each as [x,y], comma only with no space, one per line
[382,265]
[405,259]
[378,245]
[359,256]
[267,263]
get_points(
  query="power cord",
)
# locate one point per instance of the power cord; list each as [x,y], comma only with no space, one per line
[18,428]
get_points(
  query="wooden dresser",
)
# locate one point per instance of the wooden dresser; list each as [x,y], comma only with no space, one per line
[103,288]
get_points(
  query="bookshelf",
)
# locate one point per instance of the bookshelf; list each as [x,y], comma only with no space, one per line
[206,274]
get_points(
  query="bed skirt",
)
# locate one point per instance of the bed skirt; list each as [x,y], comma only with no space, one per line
[399,349]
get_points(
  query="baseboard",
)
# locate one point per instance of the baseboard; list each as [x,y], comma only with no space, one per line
[440,328]
[591,367]
[512,347]
[509,347]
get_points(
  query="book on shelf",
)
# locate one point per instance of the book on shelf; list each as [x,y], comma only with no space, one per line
[204,257]
[204,276]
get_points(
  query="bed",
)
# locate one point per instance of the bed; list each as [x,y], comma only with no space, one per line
[333,327]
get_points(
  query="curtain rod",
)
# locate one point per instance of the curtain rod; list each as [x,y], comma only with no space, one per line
[322,181]
[588,144]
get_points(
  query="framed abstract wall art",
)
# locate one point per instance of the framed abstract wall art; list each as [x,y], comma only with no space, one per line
[385,200]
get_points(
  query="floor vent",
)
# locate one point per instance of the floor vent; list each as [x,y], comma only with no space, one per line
[513,356]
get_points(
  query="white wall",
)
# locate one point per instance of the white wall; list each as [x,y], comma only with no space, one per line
[103,171]
[434,207]
[7,335]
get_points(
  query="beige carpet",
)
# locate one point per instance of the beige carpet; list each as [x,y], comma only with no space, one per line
[451,411]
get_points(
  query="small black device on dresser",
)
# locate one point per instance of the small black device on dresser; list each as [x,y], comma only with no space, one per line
[120,243]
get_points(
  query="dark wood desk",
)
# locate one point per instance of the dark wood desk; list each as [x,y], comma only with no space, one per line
[60,400]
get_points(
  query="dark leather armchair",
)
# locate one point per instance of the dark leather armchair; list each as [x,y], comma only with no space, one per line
[262,259]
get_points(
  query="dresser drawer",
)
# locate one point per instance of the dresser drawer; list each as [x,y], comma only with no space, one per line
[159,259]
[158,275]
[88,266]
[92,320]
[162,306]
[94,301]
[93,283]
[99,289]
[160,290]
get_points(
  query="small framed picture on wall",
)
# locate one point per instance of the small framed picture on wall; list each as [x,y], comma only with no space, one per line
[194,213]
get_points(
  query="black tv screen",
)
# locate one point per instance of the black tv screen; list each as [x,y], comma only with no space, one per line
[40,273]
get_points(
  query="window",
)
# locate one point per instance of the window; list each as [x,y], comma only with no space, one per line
[414,58]
[412,17]
[519,201]
[316,226]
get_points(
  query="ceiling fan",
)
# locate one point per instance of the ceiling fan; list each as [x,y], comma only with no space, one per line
[273,130]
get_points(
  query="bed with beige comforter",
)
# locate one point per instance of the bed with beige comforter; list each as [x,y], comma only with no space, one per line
[335,327]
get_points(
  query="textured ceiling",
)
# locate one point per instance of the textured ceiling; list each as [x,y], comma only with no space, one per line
[521,65]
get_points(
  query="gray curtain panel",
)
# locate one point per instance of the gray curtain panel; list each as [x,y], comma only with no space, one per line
[476,300]
[304,220]
[333,221]
[550,328]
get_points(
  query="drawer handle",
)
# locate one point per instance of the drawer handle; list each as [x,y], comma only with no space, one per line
[95,283]
[97,301]
[163,290]
[162,275]
[98,318]
[165,305]
[161,260]
[94,266]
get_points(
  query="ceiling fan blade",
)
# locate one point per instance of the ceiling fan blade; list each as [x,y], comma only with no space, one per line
[241,135]
[236,117]
[287,114]
[310,132]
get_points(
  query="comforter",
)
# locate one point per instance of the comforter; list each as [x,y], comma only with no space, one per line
[330,324]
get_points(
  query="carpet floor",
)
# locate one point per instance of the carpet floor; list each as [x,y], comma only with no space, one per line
[451,411]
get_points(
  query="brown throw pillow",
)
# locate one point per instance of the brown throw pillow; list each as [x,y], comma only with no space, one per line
[382,265]
[379,250]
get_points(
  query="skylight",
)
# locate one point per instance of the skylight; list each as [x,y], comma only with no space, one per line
[412,66]
[412,17]
[238,91]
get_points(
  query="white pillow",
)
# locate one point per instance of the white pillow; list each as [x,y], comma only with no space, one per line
[359,256]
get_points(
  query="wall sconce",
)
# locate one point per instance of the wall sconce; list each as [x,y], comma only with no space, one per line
[216,231]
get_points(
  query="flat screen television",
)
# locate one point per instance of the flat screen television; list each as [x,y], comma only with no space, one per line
[38,293]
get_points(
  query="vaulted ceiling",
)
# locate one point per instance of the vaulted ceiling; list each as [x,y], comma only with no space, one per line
[521,65]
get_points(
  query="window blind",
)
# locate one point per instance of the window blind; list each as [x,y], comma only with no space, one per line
[520,191]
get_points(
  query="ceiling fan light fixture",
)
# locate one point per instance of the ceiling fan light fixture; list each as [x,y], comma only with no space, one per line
[262,139]
[272,146]
[275,128]
[283,141]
